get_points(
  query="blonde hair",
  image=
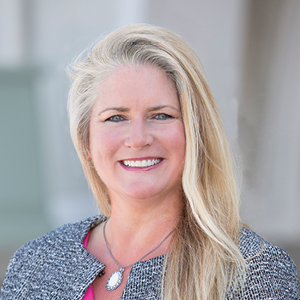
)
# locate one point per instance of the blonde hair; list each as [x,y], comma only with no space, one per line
[205,260]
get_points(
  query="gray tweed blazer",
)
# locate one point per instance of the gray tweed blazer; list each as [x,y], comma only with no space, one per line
[57,266]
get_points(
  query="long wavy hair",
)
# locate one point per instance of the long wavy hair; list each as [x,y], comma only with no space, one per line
[205,261]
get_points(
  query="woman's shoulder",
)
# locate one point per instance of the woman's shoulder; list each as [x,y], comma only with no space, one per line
[270,272]
[53,255]
[253,246]
[70,233]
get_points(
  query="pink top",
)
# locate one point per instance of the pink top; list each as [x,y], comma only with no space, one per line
[89,295]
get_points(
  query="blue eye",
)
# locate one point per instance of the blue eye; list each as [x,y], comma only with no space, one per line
[162,116]
[115,119]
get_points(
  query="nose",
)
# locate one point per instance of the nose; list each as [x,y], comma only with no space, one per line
[138,135]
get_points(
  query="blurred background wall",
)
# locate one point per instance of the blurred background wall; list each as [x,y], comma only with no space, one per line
[250,51]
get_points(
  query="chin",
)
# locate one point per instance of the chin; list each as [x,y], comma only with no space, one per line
[144,193]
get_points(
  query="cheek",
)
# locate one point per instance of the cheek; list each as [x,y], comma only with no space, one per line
[103,144]
[179,148]
[103,148]
[176,140]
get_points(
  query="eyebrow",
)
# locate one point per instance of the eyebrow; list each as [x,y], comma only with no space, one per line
[120,109]
[161,107]
[126,109]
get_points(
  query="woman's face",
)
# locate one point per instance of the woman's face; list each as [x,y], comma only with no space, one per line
[137,139]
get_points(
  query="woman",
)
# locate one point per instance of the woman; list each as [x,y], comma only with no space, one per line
[148,133]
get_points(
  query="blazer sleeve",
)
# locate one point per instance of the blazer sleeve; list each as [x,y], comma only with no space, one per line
[21,266]
[271,274]
[285,278]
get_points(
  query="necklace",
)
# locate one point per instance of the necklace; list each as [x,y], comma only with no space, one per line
[116,278]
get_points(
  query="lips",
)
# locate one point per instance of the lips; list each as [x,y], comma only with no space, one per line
[143,163]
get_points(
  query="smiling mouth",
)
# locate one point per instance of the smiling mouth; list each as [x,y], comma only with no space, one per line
[141,163]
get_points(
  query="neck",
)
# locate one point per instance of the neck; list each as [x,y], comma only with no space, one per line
[137,226]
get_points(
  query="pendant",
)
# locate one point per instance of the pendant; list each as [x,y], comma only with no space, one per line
[114,280]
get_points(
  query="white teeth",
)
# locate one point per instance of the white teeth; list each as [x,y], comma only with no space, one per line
[141,163]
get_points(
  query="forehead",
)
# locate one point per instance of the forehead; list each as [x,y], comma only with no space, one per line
[137,84]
